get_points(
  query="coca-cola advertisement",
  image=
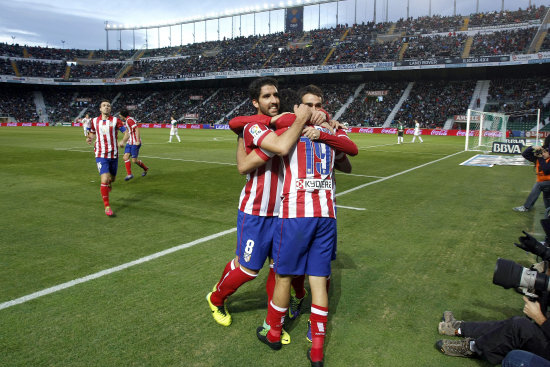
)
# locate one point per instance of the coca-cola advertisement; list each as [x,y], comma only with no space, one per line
[435,132]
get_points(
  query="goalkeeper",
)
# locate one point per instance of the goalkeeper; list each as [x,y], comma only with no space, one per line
[541,157]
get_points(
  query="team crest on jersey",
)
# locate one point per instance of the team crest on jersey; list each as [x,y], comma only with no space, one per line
[255,130]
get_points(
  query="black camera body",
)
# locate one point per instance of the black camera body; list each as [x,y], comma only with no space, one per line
[537,152]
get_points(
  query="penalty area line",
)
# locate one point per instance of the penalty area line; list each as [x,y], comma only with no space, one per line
[112,270]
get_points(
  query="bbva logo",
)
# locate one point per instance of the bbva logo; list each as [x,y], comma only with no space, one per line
[507,148]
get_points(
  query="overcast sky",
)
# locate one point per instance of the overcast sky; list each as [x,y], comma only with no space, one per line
[81,24]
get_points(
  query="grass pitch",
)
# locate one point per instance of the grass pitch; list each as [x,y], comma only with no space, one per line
[417,234]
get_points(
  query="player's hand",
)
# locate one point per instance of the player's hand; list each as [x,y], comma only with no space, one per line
[302,111]
[311,133]
[88,140]
[318,117]
[327,126]
[336,125]
[121,145]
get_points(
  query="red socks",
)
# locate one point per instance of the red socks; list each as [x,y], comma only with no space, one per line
[128,165]
[142,165]
[228,267]
[318,318]
[270,284]
[104,188]
[230,283]
[275,319]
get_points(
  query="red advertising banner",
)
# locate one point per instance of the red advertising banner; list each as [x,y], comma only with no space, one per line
[25,124]
[439,132]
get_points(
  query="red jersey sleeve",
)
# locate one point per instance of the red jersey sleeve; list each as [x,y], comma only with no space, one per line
[253,135]
[340,142]
[285,121]
[238,123]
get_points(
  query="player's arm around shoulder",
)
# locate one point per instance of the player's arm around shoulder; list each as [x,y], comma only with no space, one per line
[281,144]
[247,163]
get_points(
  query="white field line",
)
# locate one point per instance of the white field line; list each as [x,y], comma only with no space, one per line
[395,175]
[353,174]
[153,157]
[349,207]
[111,270]
[74,282]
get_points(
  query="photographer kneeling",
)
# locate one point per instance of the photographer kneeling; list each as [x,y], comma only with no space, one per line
[492,340]
[541,157]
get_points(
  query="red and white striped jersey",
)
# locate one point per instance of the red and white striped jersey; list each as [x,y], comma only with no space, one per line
[131,125]
[262,193]
[309,186]
[106,144]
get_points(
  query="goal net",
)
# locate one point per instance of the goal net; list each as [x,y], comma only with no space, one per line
[484,128]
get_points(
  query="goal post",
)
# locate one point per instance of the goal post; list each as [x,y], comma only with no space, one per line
[484,128]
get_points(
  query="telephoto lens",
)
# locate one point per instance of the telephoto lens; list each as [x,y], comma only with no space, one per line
[509,274]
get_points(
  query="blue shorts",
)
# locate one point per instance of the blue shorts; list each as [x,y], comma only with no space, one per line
[304,246]
[107,165]
[132,149]
[254,239]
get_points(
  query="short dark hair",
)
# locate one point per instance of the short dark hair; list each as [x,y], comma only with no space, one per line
[310,89]
[124,113]
[103,100]
[287,99]
[255,88]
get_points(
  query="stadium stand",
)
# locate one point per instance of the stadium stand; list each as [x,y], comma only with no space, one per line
[370,103]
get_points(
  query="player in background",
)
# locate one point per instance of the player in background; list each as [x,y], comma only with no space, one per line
[259,200]
[174,129]
[86,124]
[104,129]
[400,131]
[417,131]
[132,140]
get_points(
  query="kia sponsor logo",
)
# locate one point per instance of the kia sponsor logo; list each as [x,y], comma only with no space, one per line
[439,132]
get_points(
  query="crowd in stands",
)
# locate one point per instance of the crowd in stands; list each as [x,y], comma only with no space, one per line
[421,38]
[433,102]
[18,105]
[368,104]
[546,43]
[520,98]
[432,46]
[41,69]
[369,110]
[427,24]
[342,44]
[495,18]
[503,42]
